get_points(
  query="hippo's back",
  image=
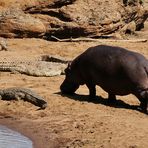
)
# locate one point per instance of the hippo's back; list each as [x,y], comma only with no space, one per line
[109,58]
[108,53]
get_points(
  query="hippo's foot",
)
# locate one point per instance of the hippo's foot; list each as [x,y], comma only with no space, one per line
[144,106]
[111,99]
[92,98]
[143,98]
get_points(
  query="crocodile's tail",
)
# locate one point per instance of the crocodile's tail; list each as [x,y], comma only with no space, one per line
[36,101]
[41,103]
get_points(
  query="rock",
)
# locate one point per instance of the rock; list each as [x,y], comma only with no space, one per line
[15,23]
[129,28]
[70,18]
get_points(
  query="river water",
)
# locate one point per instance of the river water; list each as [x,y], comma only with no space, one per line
[13,139]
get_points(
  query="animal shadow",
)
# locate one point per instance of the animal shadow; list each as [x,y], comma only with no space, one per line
[101,100]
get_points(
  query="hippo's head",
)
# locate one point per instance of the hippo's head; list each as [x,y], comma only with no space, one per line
[70,84]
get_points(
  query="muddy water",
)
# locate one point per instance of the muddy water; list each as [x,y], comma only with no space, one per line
[13,139]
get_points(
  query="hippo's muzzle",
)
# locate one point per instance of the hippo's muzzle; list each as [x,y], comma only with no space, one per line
[68,88]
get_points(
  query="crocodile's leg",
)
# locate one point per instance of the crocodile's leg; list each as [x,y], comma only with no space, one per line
[19,96]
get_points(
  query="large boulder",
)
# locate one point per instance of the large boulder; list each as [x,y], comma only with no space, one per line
[70,18]
[14,23]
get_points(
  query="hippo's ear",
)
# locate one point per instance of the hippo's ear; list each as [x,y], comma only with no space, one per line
[67,70]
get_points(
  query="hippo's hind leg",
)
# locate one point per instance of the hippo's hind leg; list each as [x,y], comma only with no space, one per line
[144,101]
[111,98]
[143,98]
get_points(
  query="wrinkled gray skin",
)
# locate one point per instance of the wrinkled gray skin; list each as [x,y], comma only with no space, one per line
[116,70]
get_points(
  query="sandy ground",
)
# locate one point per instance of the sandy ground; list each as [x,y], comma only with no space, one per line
[70,121]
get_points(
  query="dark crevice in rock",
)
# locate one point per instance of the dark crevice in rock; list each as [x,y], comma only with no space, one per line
[26,34]
[125,2]
[139,27]
[132,2]
[52,13]
[61,3]
[129,17]
[67,33]
[55,5]
[140,21]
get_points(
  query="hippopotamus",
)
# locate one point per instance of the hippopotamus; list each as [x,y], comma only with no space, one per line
[116,70]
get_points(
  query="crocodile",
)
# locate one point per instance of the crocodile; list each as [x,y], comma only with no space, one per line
[16,93]
[52,67]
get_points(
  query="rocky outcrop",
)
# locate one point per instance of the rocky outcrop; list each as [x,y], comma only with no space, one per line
[70,18]
[15,23]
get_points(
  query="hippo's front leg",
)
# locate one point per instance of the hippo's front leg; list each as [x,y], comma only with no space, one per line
[111,98]
[92,91]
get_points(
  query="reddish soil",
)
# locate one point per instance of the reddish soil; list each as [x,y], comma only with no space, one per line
[71,122]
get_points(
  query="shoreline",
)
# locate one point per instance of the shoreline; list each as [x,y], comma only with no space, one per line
[23,128]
